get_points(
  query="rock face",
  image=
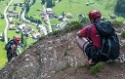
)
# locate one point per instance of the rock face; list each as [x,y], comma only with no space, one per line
[44,58]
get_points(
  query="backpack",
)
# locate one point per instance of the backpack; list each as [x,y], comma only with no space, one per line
[110,48]
[8,45]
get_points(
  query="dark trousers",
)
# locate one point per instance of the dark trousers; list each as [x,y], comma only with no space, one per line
[10,55]
[93,54]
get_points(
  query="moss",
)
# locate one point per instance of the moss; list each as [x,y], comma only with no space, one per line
[97,68]
[65,52]
[66,67]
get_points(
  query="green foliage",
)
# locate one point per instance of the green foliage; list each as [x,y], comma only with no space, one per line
[97,68]
[53,2]
[117,23]
[83,19]
[123,34]
[65,52]
[3,58]
[22,38]
[66,67]
[73,26]
[43,2]
[120,7]
[57,32]
[49,3]
[14,8]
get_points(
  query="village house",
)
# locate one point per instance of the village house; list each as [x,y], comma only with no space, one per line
[18,4]
[60,18]
[46,20]
[21,26]
[10,20]
[62,24]
[11,27]
[15,15]
[48,10]
[27,30]
[51,14]
[69,15]
[21,4]
[36,35]
[43,13]
[17,31]
[10,11]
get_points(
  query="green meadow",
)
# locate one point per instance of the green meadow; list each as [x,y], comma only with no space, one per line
[3,58]
[77,7]
[35,9]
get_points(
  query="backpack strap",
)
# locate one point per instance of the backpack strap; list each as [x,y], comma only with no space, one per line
[89,32]
[11,42]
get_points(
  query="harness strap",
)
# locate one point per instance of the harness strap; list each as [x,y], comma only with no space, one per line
[84,44]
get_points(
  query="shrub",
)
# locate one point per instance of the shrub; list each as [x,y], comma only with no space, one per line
[123,34]
[117,23]
[97,68]
[73,26]
[57,32]
[65,52]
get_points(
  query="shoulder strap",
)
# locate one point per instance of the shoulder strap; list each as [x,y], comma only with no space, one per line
[11,42]
[89,31]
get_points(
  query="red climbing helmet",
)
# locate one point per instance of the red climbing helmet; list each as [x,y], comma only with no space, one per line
[16,38]
[94,14]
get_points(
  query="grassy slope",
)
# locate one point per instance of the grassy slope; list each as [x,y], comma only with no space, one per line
[2,21]
[79,6]
[3,59]
[34,9]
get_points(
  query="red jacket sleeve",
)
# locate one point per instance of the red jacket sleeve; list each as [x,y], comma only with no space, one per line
[84,31]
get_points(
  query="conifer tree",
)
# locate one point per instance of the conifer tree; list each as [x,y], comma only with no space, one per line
[120,7]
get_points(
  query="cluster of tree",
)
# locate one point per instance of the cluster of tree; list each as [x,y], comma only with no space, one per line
[28,4]
[1,16]
[49,3]
[120,7]
[23,40]
[32,19]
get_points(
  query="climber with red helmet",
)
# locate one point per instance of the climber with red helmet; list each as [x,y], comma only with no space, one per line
[11,47]
[84,34]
